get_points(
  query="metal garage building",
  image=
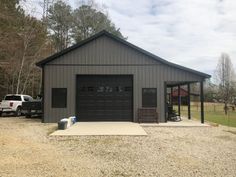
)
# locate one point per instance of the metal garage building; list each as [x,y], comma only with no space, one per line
[105,78]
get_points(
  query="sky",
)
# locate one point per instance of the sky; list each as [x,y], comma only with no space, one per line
[192,33]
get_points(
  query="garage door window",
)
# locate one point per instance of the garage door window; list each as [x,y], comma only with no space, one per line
[59,97]
[149,97]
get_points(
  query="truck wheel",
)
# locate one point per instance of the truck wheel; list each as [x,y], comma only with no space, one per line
[0,114]
[18,112]
[28,115]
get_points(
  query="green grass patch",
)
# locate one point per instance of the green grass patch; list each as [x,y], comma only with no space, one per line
[213,113]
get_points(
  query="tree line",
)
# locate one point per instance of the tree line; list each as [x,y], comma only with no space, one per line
[25,39]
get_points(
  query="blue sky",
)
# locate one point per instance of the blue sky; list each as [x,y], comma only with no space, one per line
[192,33]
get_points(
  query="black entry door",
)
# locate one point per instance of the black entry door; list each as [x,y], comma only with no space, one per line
[104,98]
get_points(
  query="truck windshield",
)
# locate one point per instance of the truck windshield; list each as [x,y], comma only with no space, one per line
[13,97]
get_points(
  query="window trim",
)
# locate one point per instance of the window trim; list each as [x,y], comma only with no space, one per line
[152,106]
[60,106]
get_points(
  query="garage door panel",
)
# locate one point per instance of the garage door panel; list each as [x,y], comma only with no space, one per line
[104,98]
[110,116]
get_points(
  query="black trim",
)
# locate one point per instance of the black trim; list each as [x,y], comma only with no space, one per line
[105,33]
[202,102]
[189,102]
[42,93]
[103,64]
[76,96]
[133,111]
[181,83]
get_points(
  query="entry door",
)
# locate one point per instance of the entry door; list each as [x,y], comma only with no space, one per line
[104,98]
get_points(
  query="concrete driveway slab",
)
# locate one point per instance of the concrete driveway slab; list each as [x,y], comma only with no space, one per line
[102,128]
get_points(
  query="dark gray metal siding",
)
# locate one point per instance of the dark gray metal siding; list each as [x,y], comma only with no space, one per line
[108,57]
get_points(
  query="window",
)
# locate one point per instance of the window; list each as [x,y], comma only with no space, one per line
[149,97]
[83,89]
[128,89]
[26,98]
[100,89]
[59,97]
[13,98]
[91,89]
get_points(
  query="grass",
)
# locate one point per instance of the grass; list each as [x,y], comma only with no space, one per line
[213,113]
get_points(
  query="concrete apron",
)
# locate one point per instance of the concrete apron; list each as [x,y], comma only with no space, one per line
[102,128]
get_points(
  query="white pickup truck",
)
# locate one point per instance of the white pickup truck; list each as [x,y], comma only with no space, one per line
[12,103]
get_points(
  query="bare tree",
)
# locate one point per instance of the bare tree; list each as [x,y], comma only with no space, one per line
[32,36]
[23,41]
[225,76]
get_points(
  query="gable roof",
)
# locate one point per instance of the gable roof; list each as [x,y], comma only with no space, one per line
[105,33]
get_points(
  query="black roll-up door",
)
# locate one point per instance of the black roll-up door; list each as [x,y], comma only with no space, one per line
[104,98]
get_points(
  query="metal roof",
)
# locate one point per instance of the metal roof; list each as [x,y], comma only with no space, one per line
[105,33]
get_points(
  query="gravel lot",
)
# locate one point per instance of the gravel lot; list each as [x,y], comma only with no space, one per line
[27,150]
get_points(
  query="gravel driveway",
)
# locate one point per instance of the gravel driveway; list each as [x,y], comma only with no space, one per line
[27,150]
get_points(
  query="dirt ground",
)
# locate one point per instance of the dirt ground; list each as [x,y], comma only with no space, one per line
[26,149]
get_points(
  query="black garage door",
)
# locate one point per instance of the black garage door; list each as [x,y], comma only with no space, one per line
[104,98]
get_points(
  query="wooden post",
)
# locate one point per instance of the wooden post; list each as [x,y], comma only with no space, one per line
[179,100]
[189,103]
[202,102]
